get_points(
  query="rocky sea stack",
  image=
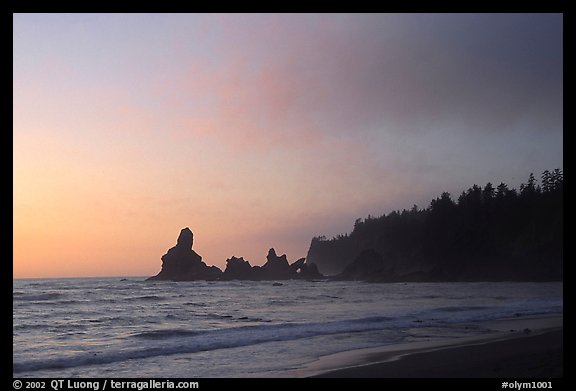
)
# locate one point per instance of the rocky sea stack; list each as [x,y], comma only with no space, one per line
[181,263]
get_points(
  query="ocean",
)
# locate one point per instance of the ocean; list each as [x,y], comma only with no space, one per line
[126,327]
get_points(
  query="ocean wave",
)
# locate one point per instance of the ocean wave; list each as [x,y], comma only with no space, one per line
[36,297]
[163,334]
[145,298]
[461,308]
[282,302]
[29,326]
[71,302]
[155,322]
[460,314]
[249,319]
[196,304]
[178,341]
[218,316]
[185,341]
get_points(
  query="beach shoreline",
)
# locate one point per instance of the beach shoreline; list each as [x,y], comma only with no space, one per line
[202,329]
[524,347]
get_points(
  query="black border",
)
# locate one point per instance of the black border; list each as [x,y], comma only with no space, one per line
[490,6]
[438,6]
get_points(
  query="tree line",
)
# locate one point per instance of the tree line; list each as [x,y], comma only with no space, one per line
[486,233]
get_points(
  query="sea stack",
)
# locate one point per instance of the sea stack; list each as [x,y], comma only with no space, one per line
[276,267]
[239,269]
[368,266]
[181,263]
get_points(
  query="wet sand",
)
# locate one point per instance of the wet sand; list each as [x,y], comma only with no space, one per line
[517,348]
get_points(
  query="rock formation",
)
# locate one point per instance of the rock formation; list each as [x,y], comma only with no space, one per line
[181,263]
[238,269]
[309,271]
[368,266]
[276,267]
[299,264]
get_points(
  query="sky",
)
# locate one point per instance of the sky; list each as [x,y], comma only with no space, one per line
[263,130]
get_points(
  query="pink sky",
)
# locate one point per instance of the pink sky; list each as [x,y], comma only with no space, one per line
[261,131]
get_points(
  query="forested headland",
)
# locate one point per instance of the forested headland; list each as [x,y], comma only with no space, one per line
[489,233]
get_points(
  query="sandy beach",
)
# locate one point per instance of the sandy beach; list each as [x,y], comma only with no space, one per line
[517,348]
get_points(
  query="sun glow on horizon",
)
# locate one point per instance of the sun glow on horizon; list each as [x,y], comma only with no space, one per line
[260,131]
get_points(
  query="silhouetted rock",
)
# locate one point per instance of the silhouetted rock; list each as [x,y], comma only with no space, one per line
[238,269]
[309,271]
[368,266]
[276,267]
[185,239]
[298,264]
[275,261]
[181,263]
[305,271]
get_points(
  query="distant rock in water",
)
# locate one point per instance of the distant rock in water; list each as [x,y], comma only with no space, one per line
[238,269]
[309,271]
[371,266]
[181,263]
[276,267]
[298,264]
[368,266]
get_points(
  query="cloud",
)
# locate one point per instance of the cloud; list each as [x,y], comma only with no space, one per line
[382,103]
[255,127]
[294,80]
